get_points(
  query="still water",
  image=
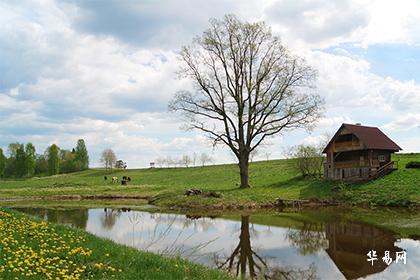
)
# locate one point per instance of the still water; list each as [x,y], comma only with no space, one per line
[272,246]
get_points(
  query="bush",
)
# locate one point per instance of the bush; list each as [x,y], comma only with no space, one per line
[413,164]
[308,160]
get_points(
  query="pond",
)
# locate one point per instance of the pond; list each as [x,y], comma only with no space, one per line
[311,244]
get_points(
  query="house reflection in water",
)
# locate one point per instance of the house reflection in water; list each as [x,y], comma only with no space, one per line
[349,244]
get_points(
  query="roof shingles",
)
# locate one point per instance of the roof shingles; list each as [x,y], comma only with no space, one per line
[371,137]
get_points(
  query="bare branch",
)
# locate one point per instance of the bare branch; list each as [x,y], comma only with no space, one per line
[247,87]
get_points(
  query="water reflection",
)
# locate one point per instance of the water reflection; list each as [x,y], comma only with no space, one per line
[309,239]
[109,218]
[349,243]
[245,261]
[73,217]
[281,250]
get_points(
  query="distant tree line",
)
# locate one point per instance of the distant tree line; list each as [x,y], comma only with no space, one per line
[184,161]
[23,161]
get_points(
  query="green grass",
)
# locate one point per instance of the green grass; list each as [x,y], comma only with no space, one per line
[269,180]
[398,188]
[45,251]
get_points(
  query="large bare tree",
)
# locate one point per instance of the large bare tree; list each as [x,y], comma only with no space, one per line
[247,87]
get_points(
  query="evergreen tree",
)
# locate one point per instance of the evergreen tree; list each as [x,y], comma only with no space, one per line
[53,159]
[30,158]
[2,163]
[82,156]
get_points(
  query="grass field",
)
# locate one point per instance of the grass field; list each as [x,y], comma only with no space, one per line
[269,180]
[33,249]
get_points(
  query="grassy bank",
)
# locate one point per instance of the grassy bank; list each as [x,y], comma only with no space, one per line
[269,179]
[32,249]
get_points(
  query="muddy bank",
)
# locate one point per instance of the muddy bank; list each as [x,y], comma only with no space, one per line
[78,197]
[163,204]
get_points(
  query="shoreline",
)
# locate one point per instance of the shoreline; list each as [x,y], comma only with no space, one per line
[150,201]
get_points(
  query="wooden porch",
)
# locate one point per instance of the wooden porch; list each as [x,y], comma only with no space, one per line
[358,170]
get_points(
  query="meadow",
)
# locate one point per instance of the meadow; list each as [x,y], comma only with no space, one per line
[269,180]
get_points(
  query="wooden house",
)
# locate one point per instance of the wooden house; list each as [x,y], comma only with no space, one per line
[359,152]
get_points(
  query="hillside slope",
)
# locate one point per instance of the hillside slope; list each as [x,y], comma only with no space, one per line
[269,179]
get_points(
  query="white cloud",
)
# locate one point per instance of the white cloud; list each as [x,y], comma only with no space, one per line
[391,22]
[347,82]
[317,22]
[408,121]
[321,24]
[62,81]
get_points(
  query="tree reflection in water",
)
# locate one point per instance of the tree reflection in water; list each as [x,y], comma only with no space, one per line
[109,218]
[309,239]
[134,219]
[167,237]
[346,242]
[244,261]
[73,217]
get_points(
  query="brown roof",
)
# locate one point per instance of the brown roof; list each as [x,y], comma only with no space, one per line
[371,137]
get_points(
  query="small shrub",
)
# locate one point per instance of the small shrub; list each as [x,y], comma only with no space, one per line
[413,164]
[309,160]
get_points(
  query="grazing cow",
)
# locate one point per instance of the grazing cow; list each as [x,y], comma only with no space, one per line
[124,177]
[114,179]
[105,178]
[128,179]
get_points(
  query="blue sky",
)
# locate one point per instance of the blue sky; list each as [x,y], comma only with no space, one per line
[105,71]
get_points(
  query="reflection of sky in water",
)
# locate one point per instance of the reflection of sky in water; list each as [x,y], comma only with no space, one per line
[410,270]
[330,251]
[203,239]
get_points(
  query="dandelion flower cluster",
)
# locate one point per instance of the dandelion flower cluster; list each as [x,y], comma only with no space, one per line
[32,249]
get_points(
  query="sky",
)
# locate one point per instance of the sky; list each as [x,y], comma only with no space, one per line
[105,71]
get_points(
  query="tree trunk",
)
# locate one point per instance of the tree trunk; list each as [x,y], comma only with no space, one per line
[243,170]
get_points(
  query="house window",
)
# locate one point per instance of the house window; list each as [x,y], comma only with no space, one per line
[381,157]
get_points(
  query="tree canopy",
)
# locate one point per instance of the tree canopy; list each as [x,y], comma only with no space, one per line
[30,159]
[108,159]
[53,159]
[82,156]
[2,163]
[247,87]
[23,161]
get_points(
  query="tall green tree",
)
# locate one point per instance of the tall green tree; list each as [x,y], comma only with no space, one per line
[53,159]
[30,159]
[20,169]
[10,169]
[2,163]
[12,148]
[41,165]
[82,156]
[68,162]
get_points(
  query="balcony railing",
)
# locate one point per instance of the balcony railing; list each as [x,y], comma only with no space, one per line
[347,146]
